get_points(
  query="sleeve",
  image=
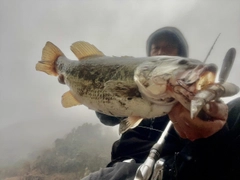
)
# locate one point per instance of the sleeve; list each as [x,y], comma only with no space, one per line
[109,120]
[234,116]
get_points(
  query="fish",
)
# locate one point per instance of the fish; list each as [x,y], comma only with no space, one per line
[132,87]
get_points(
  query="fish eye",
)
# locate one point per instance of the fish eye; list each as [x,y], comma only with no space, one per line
[183,61]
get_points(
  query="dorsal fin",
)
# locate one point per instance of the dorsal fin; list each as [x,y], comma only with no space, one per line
[83,50]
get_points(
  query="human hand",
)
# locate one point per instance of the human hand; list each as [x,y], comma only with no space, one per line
[197,128]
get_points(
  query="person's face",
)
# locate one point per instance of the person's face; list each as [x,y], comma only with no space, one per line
[163,47]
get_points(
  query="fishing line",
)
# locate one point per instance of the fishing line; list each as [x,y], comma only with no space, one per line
[160,131]
[211,49]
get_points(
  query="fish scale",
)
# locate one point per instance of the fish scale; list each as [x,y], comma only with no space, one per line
[102,98]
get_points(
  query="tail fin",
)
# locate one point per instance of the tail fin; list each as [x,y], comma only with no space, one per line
[50,54]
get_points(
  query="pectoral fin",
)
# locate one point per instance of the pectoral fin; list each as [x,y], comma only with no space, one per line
[83,50]
[129,123]
[68,100]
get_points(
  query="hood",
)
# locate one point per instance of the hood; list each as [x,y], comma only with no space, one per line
[176,33]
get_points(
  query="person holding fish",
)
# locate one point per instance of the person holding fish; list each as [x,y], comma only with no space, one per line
[143,95]
[198,148]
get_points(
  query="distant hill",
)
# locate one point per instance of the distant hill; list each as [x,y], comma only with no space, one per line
[85,149]
[23,140]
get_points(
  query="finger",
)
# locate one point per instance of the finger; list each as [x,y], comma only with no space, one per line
[217,110]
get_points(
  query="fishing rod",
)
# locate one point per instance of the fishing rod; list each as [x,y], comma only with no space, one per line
[153,166]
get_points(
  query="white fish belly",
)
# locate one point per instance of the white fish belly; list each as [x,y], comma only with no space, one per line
[123,107]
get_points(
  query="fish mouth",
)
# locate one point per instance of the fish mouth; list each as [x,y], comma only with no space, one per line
[199,77]
[205,79]
[207,76]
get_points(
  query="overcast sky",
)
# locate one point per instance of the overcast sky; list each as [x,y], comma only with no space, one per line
[114,27]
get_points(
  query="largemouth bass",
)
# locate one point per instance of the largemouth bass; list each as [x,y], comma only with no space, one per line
[136,88]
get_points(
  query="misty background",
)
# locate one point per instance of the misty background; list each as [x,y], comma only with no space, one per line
[31,114]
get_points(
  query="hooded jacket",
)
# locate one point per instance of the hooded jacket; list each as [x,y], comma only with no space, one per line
[175,33]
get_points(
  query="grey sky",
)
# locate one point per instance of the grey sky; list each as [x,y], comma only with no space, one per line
[115,27]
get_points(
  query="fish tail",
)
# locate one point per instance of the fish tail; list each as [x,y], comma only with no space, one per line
[50,54]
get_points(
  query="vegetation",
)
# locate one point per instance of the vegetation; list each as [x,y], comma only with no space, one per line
[84,150]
